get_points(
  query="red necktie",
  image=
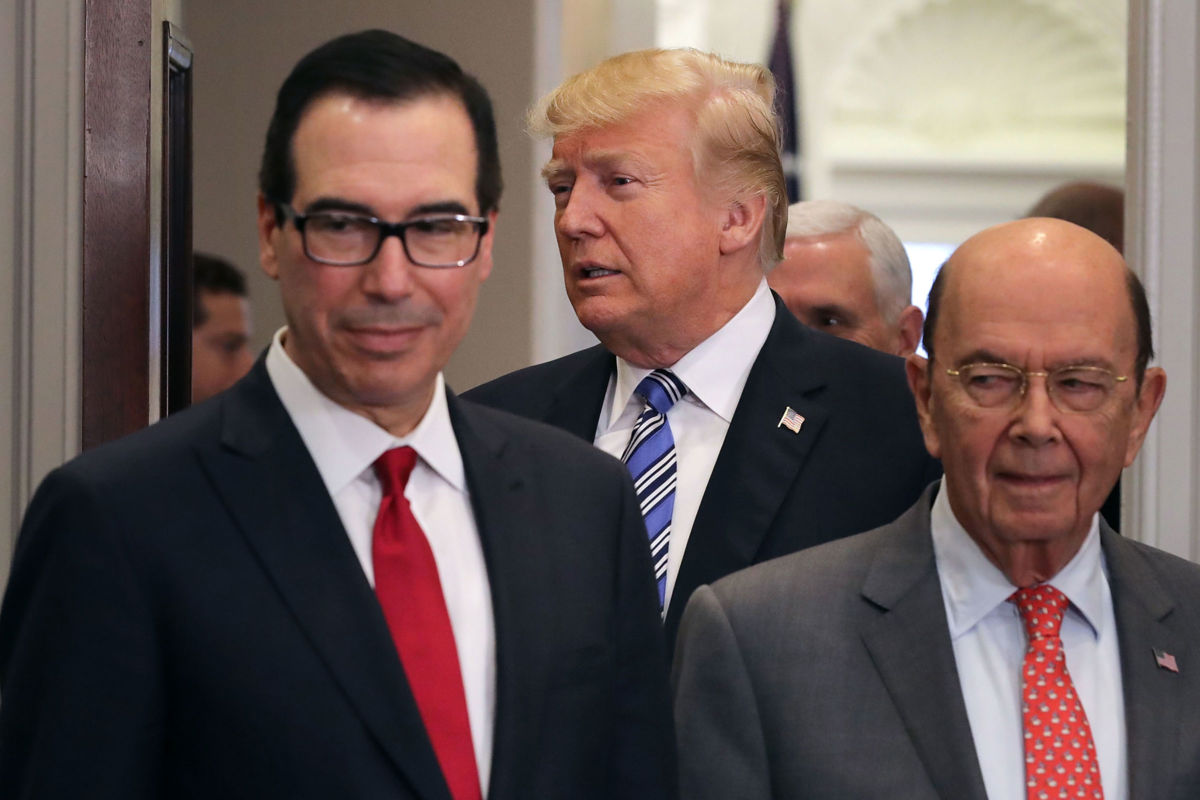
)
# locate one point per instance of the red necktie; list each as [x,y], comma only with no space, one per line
[408,588]
[1060,756]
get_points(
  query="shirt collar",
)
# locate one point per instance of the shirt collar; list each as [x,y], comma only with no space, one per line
[973,586]
[715,371]
[344,444]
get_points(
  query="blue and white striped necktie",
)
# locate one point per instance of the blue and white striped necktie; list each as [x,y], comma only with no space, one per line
[650,457]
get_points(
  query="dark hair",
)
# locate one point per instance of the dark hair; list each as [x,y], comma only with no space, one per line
[216,275]
[1137,299]
[376,65]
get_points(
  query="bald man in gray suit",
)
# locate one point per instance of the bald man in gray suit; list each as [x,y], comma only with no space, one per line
[890,664]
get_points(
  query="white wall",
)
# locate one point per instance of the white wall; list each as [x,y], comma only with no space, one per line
[1162,490]
[41,148]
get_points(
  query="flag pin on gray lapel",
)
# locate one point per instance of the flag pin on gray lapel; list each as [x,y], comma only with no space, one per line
[790,420]
[1166,661]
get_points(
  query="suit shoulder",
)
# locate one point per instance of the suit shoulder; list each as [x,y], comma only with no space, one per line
[862,368]
[1181,576]
[808,578]
[541,440]
[148,451]
[527,390]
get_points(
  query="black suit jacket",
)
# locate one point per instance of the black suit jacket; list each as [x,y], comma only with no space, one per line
[858,461]
[831,674]
[187,618]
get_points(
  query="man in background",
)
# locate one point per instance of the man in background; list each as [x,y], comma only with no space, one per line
[220,326]
[748,435]
[846,273]
[998,641]
[1096,206]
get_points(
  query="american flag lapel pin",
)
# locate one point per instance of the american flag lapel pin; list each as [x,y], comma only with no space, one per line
[791,420]
[1166,661]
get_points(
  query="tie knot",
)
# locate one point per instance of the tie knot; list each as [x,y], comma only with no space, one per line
[393,468]
[661,389]
[1041,608]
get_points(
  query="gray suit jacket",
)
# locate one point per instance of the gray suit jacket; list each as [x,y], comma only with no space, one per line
[830,674]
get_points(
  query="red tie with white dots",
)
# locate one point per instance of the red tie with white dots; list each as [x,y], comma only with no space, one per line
[1060,756]
[410,592]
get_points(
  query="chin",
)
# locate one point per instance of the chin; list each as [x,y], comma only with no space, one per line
[598,317]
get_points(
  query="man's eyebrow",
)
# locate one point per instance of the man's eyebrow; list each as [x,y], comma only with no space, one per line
[338,204]
[989,357]
[983,357]
[596,160]
[1089,361]
[351,207]
[440,207]
[555,168]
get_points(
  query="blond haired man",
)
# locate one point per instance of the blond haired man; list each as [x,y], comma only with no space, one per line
[670,208]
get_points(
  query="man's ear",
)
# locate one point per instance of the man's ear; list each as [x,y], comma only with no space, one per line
[917,369]
[1154,386]
[269,231]
[741,223]
[909,331]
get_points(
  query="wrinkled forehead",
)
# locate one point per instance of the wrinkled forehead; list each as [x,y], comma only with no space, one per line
[651,138]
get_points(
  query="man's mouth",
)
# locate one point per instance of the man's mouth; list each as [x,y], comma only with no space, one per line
[1031,480]
[593,271]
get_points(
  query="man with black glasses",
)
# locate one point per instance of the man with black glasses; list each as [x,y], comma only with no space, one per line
[337,580]
[998,641]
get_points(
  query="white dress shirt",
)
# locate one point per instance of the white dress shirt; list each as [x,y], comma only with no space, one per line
[344,446]
[989,646]
[715,373]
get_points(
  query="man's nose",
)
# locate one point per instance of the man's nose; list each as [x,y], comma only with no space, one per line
[389,276]
[577,216]
[1037,416]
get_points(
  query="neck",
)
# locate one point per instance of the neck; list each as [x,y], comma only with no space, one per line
[1029,564]
[661,343]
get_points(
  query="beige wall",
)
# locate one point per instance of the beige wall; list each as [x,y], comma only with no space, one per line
[244,51]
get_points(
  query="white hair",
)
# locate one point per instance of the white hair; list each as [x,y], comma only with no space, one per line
[889,262]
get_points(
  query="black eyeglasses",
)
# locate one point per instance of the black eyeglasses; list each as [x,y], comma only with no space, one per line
[345,239]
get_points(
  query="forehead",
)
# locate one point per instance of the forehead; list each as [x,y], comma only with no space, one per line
[1038,306]
[838,259]
[224,309]
[657,137]
[386,155]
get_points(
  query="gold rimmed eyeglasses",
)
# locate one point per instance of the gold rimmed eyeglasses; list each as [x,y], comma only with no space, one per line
[1072,389]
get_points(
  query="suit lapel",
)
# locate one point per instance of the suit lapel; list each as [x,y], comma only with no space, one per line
[275,494]
[504,513]
[576,401]
[758,462]
[910,645]
[1153,695]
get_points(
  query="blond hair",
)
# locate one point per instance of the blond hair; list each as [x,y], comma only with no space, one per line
[735,150]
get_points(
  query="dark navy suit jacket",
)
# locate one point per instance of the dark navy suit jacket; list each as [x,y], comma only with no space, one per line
[186,617]
[858,461]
